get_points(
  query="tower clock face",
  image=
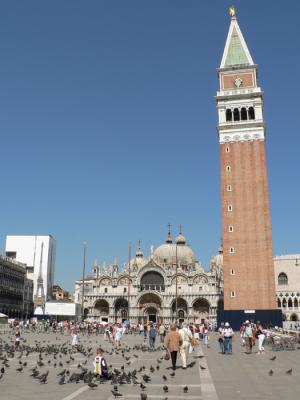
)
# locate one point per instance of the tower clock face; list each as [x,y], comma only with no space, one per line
[238,82]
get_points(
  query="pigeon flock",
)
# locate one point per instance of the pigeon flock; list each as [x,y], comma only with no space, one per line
[44,358]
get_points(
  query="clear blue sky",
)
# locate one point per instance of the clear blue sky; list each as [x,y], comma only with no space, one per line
[108,122]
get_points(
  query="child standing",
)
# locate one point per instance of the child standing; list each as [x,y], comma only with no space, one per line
[100,364]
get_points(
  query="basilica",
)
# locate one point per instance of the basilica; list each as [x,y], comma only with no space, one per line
[170,285]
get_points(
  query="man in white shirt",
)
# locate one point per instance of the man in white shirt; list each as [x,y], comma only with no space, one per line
[228,335]
[186,336]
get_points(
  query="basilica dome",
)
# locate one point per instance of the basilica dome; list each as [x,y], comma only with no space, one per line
[165,254]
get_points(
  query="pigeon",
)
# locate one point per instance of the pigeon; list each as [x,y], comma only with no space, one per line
[92,385]
[144,396]
[172,374]
[116,394]
[185,389]
[273,358]
[20,369]
[164,377]
[271,372]
[165,389]
[201,366]
[61,373]
[43,378]
[142,386]
[289,371]
[62,380]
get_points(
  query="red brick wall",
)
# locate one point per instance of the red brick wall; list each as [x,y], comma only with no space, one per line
[252,261]
[228,80]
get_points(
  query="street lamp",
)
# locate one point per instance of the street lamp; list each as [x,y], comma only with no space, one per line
[83,283]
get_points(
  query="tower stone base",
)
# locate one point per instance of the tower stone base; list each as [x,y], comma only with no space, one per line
[237,317]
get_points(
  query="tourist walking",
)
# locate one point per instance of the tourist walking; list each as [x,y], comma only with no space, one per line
[221,337]
[74,341]
[152,336]
[145,332]
[228,335]
[186,338]
[162,331]
[172,343]
[118,335]
[248,336]
[205,335]
[260,335]
[17,340]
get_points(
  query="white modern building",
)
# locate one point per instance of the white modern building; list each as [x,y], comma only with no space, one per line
[38,253]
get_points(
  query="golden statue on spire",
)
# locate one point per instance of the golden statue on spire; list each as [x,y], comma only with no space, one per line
[232,11]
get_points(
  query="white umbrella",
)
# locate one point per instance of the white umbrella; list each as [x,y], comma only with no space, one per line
[3,315]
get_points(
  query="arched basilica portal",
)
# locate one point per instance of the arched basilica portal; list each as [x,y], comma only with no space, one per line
[147,290]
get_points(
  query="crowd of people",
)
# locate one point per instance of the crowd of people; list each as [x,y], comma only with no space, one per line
[176,338]
[250,333]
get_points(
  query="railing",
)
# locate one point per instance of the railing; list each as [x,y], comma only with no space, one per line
[157,288]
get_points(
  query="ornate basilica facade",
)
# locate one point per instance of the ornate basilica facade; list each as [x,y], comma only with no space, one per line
[145,289]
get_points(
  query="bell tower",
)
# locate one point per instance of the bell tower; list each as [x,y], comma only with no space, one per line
[248,267]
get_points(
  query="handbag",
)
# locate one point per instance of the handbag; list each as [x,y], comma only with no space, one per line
[167,355]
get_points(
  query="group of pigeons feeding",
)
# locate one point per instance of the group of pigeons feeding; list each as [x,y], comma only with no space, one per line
[57,356]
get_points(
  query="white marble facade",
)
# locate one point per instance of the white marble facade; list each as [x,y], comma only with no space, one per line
[287,281]
[151,293]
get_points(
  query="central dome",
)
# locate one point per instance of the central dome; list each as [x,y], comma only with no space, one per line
[165,254]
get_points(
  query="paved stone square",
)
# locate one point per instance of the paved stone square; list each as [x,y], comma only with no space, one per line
[212,376]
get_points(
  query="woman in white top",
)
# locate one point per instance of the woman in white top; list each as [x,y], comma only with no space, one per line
[74,341]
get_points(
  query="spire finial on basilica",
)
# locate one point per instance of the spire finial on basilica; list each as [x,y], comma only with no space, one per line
[169,237]
[180,229]
[139,252]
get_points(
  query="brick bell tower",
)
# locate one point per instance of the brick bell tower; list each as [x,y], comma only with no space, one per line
[248,267]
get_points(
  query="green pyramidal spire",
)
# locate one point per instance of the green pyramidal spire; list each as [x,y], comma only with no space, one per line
[236,51]
[236,54]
